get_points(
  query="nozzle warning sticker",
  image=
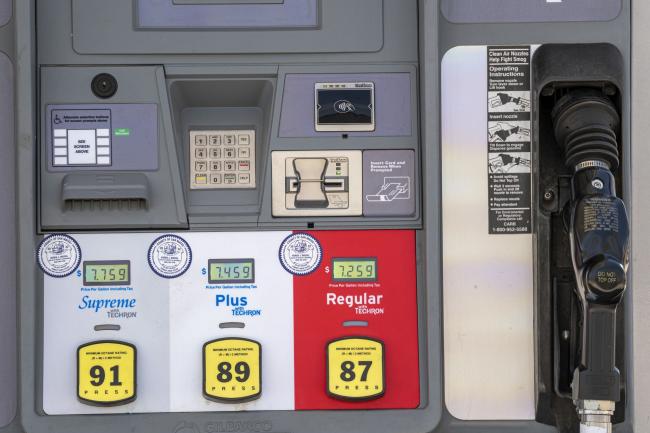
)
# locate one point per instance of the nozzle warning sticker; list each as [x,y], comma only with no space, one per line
[509,138]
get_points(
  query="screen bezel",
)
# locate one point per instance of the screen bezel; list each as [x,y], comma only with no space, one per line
[345,127]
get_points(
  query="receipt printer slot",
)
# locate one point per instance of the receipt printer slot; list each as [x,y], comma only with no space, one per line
[323,183]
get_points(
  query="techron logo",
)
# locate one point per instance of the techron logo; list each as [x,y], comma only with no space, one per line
[225,427]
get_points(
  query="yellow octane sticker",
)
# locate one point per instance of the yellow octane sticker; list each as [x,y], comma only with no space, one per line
[355,368]
[232,369]
[106,373]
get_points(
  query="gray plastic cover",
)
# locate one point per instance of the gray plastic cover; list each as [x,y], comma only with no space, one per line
[284,14]
[8,386]
[119,186]
[513,11]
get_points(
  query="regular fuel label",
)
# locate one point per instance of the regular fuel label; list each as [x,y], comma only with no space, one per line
[232,370]
[509,136]
[106,373]
[355,368]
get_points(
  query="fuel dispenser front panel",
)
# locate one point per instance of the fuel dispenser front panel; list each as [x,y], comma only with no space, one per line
[244,216]
[173,297]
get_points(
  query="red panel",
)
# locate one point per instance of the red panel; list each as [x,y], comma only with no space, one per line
[316,322]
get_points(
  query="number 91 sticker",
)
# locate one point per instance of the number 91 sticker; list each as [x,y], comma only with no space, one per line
[106,373]
[232,370]
[355,368]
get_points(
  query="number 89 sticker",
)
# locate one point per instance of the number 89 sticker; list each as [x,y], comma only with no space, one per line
[355,368]
[232,370]
[106,373]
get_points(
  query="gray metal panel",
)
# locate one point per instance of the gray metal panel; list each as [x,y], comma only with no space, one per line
[8,385]
[335,141]
[6,11]
[510,11]
[640,377]
[102,27]
[451,35]
[140,85]
[399,41]
[393,102]
[170,14]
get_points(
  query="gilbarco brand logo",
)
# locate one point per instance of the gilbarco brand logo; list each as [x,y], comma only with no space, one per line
[225,427]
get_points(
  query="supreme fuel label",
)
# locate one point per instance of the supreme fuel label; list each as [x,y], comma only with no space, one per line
[106,373]
[355,368]
[509,135]
[232,370]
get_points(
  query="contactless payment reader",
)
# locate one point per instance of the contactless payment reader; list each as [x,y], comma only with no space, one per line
[308,216]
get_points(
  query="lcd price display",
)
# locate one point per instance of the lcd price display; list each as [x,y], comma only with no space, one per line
[354,269]
[107,273]
[223,271]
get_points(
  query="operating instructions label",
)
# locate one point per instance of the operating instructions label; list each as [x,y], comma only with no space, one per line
[509,136]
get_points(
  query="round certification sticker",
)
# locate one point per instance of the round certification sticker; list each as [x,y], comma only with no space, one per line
[58,255]
[300,254]
[170,256]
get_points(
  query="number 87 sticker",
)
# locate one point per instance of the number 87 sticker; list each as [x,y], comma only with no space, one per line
[355,368]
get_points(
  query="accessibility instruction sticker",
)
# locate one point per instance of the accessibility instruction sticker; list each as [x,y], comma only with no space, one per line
[509,138]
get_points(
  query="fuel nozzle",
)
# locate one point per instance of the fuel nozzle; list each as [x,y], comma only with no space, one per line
[586,123]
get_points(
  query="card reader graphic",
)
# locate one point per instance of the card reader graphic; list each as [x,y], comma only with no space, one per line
[393,188]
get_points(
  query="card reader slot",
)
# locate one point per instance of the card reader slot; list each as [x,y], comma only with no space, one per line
[330,184]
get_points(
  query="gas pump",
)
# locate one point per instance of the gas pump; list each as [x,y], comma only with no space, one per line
[302,216]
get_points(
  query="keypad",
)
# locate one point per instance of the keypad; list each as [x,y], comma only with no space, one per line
[222,159]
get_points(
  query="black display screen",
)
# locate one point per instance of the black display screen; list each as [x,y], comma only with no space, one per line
[344,106]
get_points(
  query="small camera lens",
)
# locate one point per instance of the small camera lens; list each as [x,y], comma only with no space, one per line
[104,85]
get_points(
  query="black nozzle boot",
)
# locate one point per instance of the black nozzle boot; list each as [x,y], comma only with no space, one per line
[586,125]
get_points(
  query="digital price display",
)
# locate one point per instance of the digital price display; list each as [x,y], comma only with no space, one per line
[224,271]
[354,269]
[107,272]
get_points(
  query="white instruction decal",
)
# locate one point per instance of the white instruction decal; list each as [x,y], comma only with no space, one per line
[508,132]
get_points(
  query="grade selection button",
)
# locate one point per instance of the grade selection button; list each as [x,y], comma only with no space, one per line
[355,368]
[232,370]
[106,373]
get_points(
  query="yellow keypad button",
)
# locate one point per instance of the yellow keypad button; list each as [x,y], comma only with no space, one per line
[232,370]
[106,373]
[355,368]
